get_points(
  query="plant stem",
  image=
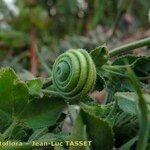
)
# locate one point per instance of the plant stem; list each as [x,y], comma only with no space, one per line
[143,114]
[130,46]
[9,130]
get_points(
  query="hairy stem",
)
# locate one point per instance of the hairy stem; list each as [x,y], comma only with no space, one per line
[130,46]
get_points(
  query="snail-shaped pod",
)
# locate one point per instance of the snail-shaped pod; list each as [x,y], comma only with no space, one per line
[74,74]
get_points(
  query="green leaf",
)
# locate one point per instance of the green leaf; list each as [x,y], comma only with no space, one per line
[118,84]
[127,101]
[100,55]
[79,133]
[21,96]
[94,108]
[97,130]
[13,92]
[140,64]
[14,100]
[130,58]
[35,87]
[42,112]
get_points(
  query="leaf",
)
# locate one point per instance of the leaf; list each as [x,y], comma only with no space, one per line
[13,92]
[100,55]
[94,108]
[127,101]
[42,112]
[79,133]
[21,96]
[118,84]
[36,113]
[130,58]
[97,130]
[140,64]
[35,87]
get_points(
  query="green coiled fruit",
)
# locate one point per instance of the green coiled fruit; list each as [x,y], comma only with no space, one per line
[74,74]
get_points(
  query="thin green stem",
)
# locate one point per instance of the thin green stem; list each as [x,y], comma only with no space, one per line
[114,68]
[115,73]
[143,114]
[130,46]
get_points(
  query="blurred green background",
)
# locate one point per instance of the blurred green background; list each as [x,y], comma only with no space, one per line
[34,32]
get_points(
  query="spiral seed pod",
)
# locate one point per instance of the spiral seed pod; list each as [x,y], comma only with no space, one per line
[74,74]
